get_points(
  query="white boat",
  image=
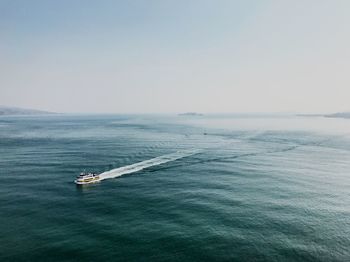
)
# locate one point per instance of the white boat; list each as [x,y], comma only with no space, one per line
[87,178]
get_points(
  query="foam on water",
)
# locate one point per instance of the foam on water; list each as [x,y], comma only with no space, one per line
[117,172]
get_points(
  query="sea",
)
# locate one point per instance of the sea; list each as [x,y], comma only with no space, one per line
[231,187]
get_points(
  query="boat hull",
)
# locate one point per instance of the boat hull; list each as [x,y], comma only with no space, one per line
[86,181]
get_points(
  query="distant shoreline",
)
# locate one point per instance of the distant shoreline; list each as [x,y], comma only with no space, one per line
[344,115]
[16,111]
[190,114]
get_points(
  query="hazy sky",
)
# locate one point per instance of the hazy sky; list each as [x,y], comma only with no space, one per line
[175,56]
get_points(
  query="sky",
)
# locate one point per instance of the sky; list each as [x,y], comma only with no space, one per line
[147,56]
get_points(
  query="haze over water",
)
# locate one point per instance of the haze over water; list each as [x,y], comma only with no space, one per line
[260,189]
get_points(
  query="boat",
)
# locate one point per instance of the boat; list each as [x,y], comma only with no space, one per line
[87,178]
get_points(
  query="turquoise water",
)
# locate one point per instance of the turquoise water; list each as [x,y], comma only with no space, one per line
[258,189]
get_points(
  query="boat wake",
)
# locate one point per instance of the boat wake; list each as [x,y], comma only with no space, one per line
[117,172]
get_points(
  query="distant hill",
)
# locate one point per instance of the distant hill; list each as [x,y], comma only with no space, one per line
[190,114]
[12,111]
[339,115]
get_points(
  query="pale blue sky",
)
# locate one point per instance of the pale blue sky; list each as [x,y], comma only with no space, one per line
[175,56]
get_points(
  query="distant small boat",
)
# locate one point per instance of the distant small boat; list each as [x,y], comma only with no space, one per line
[87,178]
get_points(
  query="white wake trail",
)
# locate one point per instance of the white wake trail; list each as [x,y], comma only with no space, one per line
[147,163]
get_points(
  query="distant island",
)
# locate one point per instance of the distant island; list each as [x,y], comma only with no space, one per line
[334,115]
[339,115]
[191,114]
[16,111]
